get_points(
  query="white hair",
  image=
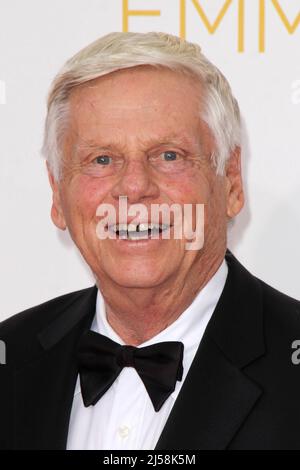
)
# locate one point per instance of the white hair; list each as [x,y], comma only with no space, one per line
[117,51]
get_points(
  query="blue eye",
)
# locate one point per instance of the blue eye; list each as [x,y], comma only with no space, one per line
[170,156]
[103,160]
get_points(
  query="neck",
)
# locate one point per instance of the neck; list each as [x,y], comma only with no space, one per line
[138,315]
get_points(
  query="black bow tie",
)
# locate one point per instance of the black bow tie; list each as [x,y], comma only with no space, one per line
[100,361]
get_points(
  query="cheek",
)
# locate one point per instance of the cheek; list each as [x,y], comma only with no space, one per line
[216,207]
[83,196]
[192,189]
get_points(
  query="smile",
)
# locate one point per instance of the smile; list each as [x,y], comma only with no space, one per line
[140,231]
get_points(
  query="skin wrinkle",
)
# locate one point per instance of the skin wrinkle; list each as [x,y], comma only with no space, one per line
[169,141]
[145,290]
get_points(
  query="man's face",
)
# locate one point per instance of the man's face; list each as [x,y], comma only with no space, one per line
[125,130]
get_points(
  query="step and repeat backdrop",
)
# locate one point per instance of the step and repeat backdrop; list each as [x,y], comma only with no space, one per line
[256,44]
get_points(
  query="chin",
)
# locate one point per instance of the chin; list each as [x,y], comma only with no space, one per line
[138,280]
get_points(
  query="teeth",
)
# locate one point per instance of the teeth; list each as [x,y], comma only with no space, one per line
[143,227]
[117,227]
[138,235]
[137,229]
[132,227]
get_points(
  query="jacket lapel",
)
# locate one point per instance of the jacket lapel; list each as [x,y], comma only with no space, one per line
[217,396]
[43,408]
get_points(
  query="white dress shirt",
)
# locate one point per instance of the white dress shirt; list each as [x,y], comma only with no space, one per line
[124,417]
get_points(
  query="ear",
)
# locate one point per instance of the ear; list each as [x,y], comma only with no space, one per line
[57,214]
[234,184]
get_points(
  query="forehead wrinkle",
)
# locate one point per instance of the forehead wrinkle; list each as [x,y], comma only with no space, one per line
[91,144]
[180,139]
[173,138]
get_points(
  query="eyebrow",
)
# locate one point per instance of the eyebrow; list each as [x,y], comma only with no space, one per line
[177,139]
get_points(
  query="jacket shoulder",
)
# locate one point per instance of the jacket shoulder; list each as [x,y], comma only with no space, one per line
[281,332]
[281,309]
[32,320]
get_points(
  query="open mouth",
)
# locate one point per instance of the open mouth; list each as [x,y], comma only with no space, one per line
[140,231]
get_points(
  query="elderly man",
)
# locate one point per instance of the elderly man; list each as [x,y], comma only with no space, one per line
[177,346]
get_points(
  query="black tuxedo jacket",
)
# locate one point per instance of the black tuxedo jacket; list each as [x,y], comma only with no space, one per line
[242,390]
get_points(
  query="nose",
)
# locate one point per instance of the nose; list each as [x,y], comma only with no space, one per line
[136,182]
